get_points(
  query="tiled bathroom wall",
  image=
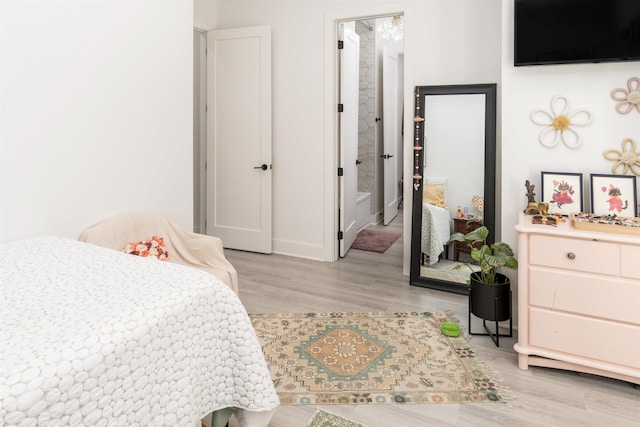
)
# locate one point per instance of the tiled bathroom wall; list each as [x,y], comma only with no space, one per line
[367,109]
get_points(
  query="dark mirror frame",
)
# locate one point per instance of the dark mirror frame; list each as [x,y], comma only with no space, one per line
[489,90]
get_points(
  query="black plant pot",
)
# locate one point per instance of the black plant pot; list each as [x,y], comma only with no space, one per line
[490,300]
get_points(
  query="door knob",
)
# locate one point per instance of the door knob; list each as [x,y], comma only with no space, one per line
[263,167]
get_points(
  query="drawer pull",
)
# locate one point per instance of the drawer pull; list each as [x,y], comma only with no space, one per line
[571,255]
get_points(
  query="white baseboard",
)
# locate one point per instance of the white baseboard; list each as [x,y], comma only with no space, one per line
[299,250]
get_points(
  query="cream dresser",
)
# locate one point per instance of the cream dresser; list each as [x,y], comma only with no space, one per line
[578,300]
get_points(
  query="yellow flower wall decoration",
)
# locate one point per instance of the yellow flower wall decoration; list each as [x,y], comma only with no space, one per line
[478,203]
[626,159]
[558,123]
[629,98]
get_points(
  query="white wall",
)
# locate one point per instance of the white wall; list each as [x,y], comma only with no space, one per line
[205,14]
[448,42]
[96,113]
[454,147]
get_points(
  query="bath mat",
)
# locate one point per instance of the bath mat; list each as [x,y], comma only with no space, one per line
[375,240]
[322,418]
[372,358]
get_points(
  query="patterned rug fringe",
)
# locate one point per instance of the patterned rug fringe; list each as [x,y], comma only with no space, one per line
[507,394]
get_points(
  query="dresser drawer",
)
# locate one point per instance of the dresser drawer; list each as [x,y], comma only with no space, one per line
[586,294]
[630,261]
[574,254]
[594,339]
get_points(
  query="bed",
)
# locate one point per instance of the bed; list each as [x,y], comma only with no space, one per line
[93,336]
[436,222]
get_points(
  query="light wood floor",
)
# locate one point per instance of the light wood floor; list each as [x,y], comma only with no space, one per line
[367,281]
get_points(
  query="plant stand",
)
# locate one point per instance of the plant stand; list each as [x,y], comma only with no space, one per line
[495,337]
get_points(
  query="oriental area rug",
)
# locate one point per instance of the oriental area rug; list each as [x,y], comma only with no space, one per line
[322,418]
[372,358]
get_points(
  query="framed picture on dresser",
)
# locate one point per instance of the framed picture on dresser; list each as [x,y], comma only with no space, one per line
[614,194]
[563,192]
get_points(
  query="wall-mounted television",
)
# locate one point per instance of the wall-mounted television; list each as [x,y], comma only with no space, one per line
[576,31]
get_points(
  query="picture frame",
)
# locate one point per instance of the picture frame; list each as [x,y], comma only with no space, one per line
[614,194]
[563,192]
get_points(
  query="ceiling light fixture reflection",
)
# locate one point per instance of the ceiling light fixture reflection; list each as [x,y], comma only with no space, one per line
[392,29]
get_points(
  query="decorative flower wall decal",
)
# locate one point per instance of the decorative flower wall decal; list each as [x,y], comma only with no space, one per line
[558,123]
[626,159]
[629,98]
[478,203]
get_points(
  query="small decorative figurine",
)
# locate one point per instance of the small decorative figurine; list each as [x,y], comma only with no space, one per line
[533,207]
[530,194]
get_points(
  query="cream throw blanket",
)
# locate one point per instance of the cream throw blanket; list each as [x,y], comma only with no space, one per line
[184,247]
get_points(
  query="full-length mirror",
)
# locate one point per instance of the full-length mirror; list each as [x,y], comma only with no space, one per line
[454,179]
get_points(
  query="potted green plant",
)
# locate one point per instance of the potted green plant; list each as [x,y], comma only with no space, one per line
[490,291]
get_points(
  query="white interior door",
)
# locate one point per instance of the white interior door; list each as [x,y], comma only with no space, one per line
[391,131]
[239,137]
[349,94]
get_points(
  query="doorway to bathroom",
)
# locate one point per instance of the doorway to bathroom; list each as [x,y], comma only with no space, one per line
[370,138]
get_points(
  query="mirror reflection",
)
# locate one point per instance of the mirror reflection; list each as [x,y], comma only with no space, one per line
[456,162]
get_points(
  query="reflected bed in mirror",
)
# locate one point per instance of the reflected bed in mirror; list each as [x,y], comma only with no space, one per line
[454,171]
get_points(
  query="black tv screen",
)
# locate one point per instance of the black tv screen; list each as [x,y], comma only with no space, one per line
[574,31]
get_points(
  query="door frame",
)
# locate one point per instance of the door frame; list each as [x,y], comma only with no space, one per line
[200,136]
[331,97]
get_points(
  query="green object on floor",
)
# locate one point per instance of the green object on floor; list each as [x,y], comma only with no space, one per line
[450,329]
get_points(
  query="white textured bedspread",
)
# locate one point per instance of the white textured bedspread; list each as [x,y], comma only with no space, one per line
[90,336]
[436,223]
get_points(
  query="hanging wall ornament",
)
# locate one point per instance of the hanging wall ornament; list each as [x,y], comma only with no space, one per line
[629,98]
[558,123]
[417,168]
[626,159]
